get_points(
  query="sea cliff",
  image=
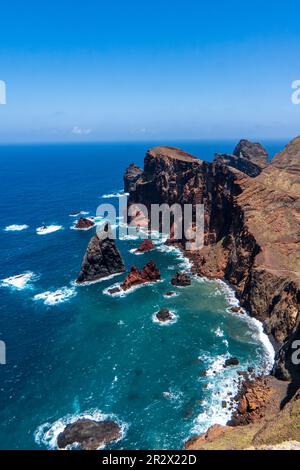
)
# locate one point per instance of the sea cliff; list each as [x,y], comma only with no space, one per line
[251,229]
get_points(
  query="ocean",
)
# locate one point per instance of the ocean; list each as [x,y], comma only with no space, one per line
[75,351]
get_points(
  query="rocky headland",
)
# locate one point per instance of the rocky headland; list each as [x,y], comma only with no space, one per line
[251,240]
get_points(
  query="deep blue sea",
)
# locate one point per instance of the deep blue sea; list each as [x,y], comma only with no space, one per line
[91,354]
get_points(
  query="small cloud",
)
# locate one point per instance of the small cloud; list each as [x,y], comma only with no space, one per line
[80,131]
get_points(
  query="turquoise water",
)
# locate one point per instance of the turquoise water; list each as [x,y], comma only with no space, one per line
[93,354]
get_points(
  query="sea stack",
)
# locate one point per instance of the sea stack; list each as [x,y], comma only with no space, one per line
[102,258]
[132,174]
[149,273]
[84,224]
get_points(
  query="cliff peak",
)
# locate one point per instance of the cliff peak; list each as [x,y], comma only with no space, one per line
[289,158]
[171,152]
[254,152]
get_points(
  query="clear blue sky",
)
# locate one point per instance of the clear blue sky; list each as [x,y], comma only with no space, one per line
[148,70]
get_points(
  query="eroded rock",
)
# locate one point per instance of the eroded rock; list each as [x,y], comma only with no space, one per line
[89,434]
[102,258]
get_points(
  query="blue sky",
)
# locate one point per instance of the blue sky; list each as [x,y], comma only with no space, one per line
[137,70]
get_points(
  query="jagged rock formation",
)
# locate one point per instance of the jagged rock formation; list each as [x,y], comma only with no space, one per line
[132,174]
[102,258]
[146,245]
[164,315]
[89,434]
[84,223]
[247,157]
[149,273]
[181,279]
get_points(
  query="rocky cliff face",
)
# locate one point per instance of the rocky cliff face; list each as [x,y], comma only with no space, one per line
[131,175]
[247,157]
[252,231]
[102,258]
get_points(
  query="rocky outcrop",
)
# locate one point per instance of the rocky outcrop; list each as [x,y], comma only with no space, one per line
[232,361]
[149,273]
[132,174]
[146,245]
[102,258]
[260,420]
[84,223]
[251,151]
[247,157]
[251,228]
[164,315]
[181,279]
[89,434]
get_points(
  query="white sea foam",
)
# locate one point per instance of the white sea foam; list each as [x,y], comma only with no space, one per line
[174,294]
[49,229]
[116,194]
[20,281]
[124,293]
[56,297]
[185,263]
[172,320]
[219,332]
[223,384]
[47,433]
[255,326]
[89,283]
[76,214]
[175,396]
[134,252]
[15,228]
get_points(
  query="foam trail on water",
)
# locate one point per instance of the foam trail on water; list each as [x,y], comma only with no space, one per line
[49,229]
[20,281]
[56,297]
[15,228]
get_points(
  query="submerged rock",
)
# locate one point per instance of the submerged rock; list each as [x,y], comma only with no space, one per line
[149,273]
[84,223]
[102,258]
[89,434]
[181,279]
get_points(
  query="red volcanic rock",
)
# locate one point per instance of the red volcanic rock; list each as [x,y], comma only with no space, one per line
[149,273]
[84,223]
[146,245]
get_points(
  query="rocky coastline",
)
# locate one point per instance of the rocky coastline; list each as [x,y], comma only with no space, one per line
[251,240]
